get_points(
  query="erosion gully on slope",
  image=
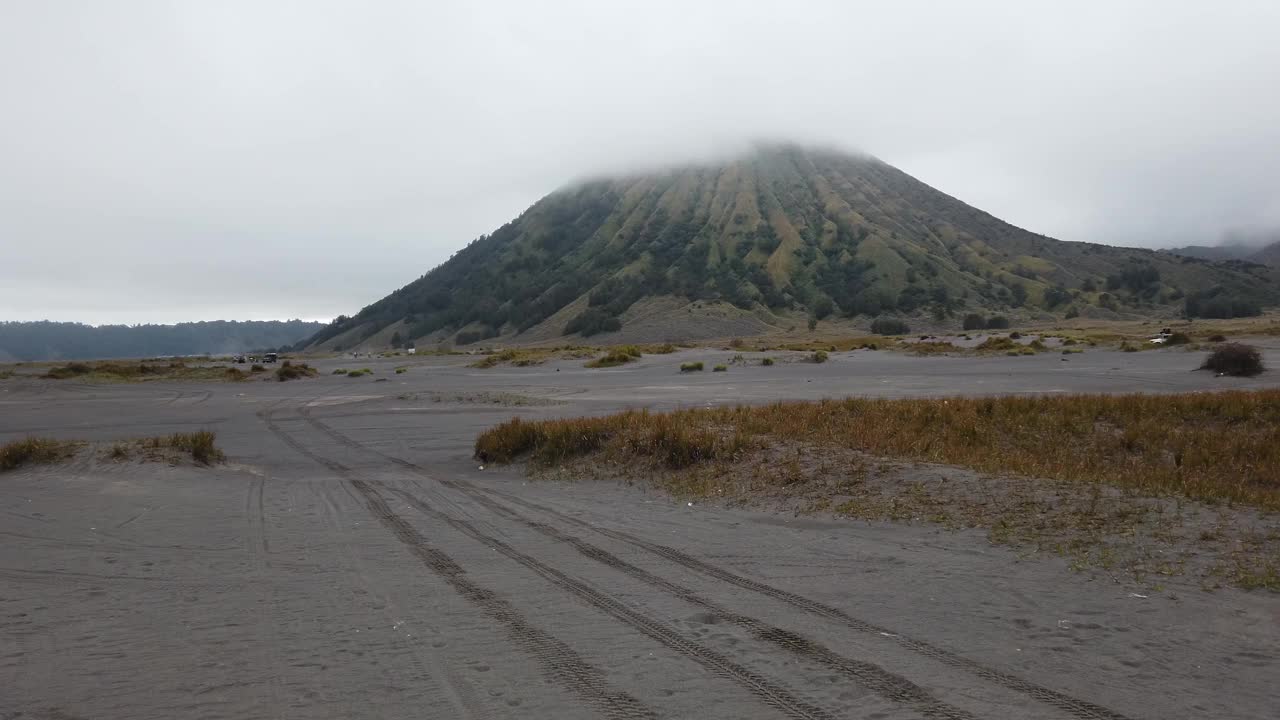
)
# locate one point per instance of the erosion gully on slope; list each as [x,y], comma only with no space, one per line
[871,676]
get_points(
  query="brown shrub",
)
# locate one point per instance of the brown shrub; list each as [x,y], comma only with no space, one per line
[1235,359]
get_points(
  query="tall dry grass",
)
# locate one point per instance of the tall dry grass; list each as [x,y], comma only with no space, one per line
[1207,446]
[666,438]
[34,451]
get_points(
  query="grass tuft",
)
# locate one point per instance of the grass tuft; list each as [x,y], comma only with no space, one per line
[289,371]
[200,444]
[615,357]
[691,366]
[34,451]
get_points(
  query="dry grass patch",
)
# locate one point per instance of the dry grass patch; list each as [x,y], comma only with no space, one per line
[505,399]
[35,451]
[932,348]
[516,358]
[662,438]
[290,371]
[200,446]
[142,371]
[527,357]
[1214,447]
[615,357]
[1105,481]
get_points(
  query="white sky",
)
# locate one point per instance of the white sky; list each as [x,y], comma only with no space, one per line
[167,161]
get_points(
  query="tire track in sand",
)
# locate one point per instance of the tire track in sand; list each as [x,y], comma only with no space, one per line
[1076,707]
[557,660]
[890,686]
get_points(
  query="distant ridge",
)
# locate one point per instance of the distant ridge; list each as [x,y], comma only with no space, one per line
[1266,254]
[46,340]
[780,233]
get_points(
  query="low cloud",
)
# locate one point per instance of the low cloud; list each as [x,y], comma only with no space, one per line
[300,159]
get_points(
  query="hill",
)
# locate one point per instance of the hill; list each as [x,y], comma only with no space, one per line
[46,340]
[1215,252]
[1259,247]
[780,233]
[1269,255]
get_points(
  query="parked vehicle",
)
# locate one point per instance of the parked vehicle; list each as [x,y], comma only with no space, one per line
[270,357]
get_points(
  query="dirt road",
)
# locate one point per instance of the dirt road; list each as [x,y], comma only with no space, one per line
[351,560]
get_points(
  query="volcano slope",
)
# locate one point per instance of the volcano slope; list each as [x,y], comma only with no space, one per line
[351,560]
[778,235]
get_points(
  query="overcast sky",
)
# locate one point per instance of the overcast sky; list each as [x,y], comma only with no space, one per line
[166,161]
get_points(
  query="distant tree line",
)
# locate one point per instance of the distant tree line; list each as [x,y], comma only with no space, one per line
[46,340]
[1217,303]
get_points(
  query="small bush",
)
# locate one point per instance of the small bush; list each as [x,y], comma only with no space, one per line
[32,451]
[767,361]
[289,371]
[819,356]
[719,368]
[359,373]
[400,370]
[974,321]
[1127,347]
[200,444]
[1070,341]
[615,357]
[340,371]
[1178,338]
[1217,338]
[998,344]
[932,348]
[999,322]
[1235,359]
[69,370]
[889,326]
[257,368]
[691,366]
[1015,335]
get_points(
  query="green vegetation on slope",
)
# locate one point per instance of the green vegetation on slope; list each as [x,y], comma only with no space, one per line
[784,228]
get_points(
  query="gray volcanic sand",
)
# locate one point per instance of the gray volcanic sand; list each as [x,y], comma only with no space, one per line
[351,560]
